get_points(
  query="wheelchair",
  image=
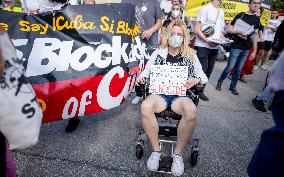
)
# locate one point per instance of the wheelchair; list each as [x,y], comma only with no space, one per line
[168,122]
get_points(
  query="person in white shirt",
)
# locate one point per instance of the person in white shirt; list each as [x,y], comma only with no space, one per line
[173,52]
[211,17]
[49,5]
[269,33]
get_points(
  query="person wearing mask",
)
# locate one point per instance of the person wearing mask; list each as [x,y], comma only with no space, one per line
[211,16]
[243,41]
[175,14]
[166,6]
[269,33]
[10,6]
[173,52]
[50,5]
[149,16]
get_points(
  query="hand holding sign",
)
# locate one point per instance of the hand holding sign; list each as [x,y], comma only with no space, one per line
[191,82]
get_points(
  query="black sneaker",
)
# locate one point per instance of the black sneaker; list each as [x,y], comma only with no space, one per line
[203,97]
[218,87]
[234,91]
[258,104]
[72,125]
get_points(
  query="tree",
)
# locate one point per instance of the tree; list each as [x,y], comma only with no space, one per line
[278,4]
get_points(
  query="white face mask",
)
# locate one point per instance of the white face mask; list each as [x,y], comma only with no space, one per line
[175,13]
[175,40]
[168,7]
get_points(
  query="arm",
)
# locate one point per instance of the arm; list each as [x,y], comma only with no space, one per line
[231,30]
[200,77]
[148,33]
[254,42]
[151,61]
[198,72]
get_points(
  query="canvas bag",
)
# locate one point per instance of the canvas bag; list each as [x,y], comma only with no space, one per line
[20,114]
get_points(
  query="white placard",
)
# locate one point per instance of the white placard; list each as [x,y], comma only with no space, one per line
[168,80]
[243,27]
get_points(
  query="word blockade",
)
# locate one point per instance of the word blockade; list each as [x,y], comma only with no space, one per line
[168,80]
[77,59]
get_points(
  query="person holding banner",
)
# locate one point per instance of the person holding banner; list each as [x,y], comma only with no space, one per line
[209,24]
[49,5]
[244,29]
[149,16]
[172,53]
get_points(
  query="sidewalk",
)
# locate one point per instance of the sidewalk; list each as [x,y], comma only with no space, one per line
[228,127]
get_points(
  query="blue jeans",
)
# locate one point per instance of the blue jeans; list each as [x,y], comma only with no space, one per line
[264,95]
[238,58]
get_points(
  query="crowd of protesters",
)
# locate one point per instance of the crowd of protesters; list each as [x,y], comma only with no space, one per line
[247,53]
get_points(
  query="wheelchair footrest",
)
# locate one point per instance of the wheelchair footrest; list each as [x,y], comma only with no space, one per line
[165,165]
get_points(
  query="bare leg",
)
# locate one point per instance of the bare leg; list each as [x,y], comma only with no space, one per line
[152,104]
[264,58]
[186,108]
[259,57]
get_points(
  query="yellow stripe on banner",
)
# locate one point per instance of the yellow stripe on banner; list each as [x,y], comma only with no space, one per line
[231,9]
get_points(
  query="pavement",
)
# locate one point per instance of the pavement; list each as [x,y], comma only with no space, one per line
[228,127]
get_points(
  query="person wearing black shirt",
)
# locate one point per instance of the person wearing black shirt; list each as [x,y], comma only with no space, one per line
[243,40]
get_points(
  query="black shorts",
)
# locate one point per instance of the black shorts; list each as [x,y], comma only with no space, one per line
[260,45]
[267,45]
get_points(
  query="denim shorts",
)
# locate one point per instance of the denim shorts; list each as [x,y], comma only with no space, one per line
[169,99]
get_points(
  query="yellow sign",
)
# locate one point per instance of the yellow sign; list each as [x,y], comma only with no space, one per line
[231,9]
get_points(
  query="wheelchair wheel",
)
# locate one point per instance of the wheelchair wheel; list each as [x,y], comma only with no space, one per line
[139,151]
[193,158]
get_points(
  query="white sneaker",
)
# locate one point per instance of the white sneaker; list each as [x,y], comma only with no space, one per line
[136,100]
[153,161]
[177,165]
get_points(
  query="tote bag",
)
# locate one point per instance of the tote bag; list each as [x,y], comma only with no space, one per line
[20,113]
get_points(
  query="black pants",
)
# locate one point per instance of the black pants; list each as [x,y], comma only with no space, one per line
[207,58]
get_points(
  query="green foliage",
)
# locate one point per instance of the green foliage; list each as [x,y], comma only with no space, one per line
[278,4]
[18,3]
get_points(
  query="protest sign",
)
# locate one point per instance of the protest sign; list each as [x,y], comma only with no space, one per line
[77,58]
[168,80]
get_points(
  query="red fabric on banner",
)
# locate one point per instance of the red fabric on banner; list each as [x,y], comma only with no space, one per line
[54,95]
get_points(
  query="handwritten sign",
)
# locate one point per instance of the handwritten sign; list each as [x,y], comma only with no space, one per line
[243,27]
[168,80]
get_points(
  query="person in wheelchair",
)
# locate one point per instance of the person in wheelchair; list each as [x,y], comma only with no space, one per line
[174,51]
